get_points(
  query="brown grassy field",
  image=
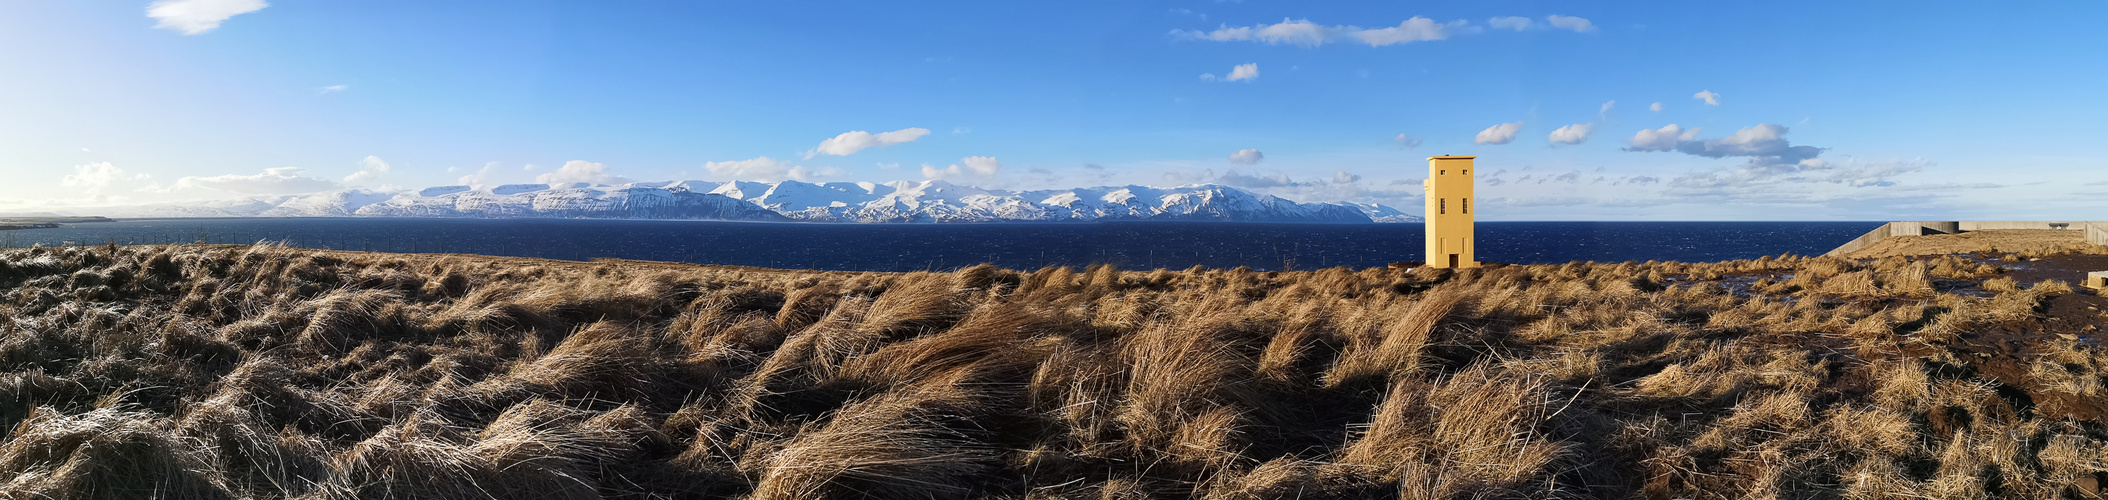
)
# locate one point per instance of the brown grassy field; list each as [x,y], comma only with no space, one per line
[2020,243]
[264,372]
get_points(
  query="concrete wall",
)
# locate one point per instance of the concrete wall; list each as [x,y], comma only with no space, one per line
[1941,227]
[1921,228]
[1878,234]
[1991,225]
[2096,232]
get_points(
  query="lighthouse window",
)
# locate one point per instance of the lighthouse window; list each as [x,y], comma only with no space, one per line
[1444,205]
[1444,172]
[1466,172]
[1467,205]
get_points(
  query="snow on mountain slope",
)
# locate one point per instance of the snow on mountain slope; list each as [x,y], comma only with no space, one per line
[596,202]
[512,189]
[904,201]
[798,197]
[327,204]
[440,190]
[694,186]
[1385,214]
[742,190]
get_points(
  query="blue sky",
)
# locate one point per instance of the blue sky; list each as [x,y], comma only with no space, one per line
[1820,110]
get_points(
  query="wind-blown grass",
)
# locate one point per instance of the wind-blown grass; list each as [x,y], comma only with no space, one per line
[263,371]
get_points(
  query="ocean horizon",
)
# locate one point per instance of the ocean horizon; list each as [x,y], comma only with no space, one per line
[1018,245]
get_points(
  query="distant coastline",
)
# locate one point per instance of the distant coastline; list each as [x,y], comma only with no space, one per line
[11,223]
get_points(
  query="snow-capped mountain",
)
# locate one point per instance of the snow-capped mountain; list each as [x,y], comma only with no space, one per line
[940,201]
[905,201]
[570,201]
[327,204]
[1384,213]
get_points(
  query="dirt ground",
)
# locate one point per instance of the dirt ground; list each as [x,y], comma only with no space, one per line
[2010,354]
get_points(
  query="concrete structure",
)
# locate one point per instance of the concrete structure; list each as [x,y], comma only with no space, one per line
[2096,231]
[1989,225]
[2097,280]
[1449,218]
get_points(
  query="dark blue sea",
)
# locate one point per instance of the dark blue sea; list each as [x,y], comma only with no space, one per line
[908,247]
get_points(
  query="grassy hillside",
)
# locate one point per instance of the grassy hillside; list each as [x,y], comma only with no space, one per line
[229,371]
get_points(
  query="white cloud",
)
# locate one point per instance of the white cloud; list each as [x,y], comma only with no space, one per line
[1796,181]
[983,165]
[1498,134]
[1243,72]
[1417,29]
[1867,174]
[1750,140]
[98,177]
[198,16]
[281,180]
[1579,25]
[1517,23]
[1247,156]
[1572,134]
[330,89]
[1710,98]
[765,169]
[369,169]
[1605,111]
[581,171]
[851,142]
[1761,141]
[1663,139]
[1207,77]
[1222,34]
[1406,142]
[1308,34]
[1765,145]
[976,166]
[1304,33]
[482,177]
[1573,177]
[1655,107]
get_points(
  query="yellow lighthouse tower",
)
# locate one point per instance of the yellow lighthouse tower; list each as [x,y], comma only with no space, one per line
[1449,231]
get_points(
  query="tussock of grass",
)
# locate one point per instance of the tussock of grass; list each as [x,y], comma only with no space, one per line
[262,371]
[902,444]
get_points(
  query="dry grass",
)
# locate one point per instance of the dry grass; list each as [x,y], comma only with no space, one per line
[250,372]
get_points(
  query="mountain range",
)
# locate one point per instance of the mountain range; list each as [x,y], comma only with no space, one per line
[904,201]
